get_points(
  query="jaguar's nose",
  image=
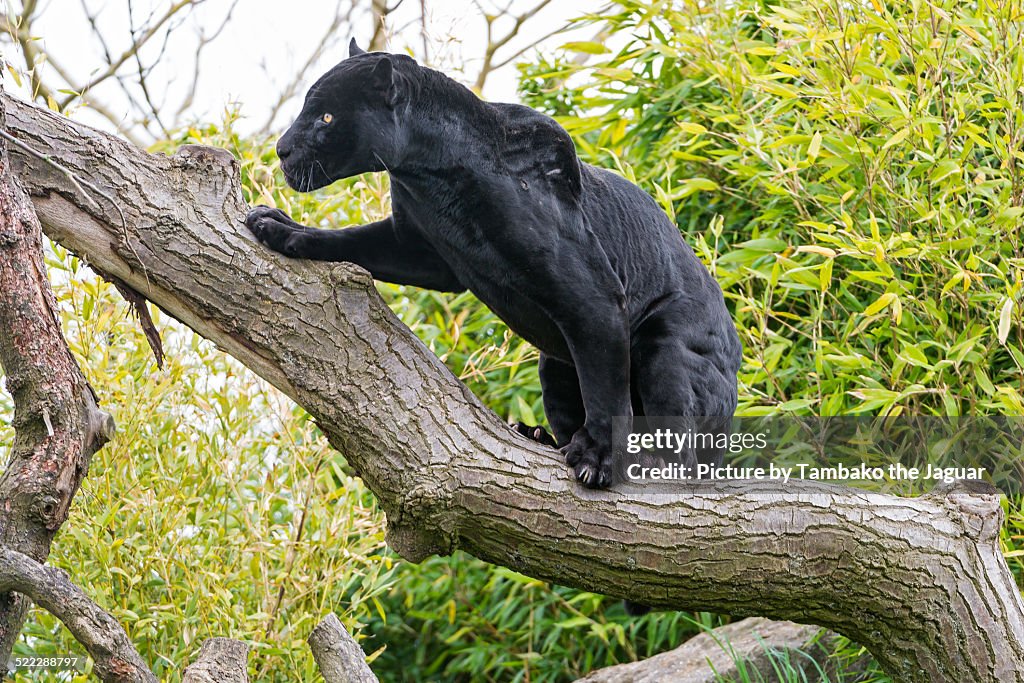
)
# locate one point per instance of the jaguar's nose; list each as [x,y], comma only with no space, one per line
[284,148]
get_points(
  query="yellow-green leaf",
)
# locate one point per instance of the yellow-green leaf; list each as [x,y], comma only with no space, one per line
[815,249]
[694,128]
[900,136]
[880,304]
[825,276]
[1005,315]
[14,74]
[814,147]
[693,185]
[588,47]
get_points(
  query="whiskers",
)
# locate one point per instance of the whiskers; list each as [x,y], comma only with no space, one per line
[304,175]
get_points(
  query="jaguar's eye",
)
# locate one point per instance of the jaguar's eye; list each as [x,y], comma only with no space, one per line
[327,118]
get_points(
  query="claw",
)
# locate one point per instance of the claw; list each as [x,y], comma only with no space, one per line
[592,477]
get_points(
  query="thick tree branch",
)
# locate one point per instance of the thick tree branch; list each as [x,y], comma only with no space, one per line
[920,582]
[58,425]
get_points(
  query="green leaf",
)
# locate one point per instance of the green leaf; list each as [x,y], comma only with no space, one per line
[915,356]
[943,170]
[983,381]
[825,276]
[14,74]
[765,244]
[525,411]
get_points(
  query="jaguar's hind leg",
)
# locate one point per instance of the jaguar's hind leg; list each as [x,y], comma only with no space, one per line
[563,403]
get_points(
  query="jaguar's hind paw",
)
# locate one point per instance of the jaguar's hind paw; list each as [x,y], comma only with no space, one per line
[538,434]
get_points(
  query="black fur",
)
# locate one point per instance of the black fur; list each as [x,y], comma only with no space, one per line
[492,198]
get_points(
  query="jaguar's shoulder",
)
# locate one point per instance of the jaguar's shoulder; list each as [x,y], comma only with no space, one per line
[534,145]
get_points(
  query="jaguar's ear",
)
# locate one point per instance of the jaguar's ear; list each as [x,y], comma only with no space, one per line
[354,50]
[384,81]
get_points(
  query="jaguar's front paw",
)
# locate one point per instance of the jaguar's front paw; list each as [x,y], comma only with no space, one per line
[591,462]
[275,229]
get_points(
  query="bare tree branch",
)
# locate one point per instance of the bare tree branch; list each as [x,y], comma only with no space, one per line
[379,11]
[496,43]
[92,18]
[147,115]
[137,44]
[20,31]
[204,40]
[554,32]
[424,33]
[22,34]
[152,109]
[138,92]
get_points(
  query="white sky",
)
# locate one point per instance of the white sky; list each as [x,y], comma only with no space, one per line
[267,41]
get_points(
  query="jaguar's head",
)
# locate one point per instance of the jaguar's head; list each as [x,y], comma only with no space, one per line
[348,124]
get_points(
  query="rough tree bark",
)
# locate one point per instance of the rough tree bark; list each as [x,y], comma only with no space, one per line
[58,425]
[221,660]
[338,655]
[920,582]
